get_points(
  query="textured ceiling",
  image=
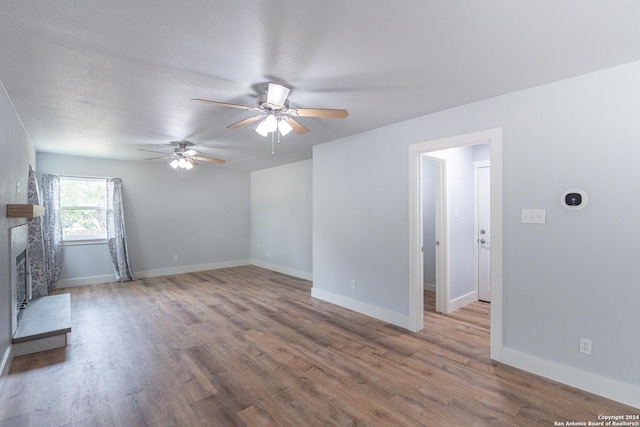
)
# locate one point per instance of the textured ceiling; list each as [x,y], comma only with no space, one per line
[105,78]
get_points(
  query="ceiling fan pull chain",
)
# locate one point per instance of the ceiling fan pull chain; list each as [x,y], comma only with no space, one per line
[273,148]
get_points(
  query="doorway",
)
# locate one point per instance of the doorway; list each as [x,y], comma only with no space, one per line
[455,259]
[416,286]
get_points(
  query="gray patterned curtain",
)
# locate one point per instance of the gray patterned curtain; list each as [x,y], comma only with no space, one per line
[37,266]
[51,228]
[116,233]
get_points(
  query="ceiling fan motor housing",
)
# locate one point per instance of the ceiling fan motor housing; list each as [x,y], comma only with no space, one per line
[263,105]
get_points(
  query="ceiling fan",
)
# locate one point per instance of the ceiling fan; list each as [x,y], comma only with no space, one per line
[275,114]
[183,157]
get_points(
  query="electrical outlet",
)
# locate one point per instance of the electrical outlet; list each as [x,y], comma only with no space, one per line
[353,284]
[175,257]
[585,346]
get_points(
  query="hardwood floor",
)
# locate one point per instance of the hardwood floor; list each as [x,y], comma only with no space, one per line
[247,346]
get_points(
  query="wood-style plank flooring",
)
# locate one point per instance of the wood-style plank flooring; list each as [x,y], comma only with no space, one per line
[250,347]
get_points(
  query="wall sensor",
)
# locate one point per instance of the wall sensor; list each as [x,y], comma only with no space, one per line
[574,199]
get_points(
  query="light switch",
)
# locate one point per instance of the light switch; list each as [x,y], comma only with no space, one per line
[533,216]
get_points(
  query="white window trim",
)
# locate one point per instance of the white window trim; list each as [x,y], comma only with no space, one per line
[88,239]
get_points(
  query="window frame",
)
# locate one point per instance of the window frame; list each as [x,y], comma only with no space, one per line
[87,239]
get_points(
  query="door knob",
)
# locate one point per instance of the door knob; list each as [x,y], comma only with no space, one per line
[483,241]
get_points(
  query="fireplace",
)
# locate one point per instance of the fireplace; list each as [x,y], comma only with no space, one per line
[43,324]
[20,280]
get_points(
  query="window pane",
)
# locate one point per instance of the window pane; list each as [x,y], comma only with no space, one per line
[76,192]
[83,223]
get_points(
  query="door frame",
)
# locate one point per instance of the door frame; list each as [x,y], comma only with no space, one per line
[476,226]
[416,295]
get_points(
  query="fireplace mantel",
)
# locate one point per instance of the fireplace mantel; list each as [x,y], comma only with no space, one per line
[24,211]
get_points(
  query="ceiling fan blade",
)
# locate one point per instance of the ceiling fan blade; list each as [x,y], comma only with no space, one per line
[245,122]
[151,151]
[277,95]
[297,127]
[158,158]
[209,159]
[190,160]
[318,112]
[224,104]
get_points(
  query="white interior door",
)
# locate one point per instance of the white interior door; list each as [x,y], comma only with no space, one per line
[441,243]
[483,230]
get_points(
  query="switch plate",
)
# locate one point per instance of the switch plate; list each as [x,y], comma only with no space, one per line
[533,216]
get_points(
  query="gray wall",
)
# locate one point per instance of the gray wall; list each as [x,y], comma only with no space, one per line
[203,219]
[281,218]
[17,153]
[575,276]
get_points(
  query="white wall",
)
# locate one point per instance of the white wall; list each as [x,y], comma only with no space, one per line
[17,153]
[203,219]
[575,276]
[281,218]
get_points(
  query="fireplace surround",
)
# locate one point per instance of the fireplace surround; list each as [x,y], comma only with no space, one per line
[38,324]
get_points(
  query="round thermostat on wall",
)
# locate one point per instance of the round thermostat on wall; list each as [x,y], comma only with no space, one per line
[574,199]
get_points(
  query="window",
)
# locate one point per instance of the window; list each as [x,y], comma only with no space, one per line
[83,208]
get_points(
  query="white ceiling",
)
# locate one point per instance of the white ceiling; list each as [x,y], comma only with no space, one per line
[105,78]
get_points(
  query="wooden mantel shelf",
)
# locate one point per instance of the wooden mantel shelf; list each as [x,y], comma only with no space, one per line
[24,211]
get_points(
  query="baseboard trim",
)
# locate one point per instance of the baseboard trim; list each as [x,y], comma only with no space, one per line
[460,302]
[629,394]
[97,280]
[306,275]
[376,312]
[429,287]
[190,268]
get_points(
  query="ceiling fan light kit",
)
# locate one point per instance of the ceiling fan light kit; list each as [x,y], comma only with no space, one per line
[182,164]
[275,115]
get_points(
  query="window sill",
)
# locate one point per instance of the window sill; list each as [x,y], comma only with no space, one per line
[77,242]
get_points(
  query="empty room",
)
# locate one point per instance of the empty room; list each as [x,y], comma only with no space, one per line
[249,213]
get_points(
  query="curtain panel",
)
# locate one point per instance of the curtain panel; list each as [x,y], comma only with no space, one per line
[52,228]
[37,266]
[116,233]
